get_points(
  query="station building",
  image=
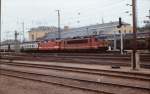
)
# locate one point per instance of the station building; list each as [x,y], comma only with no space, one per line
[107,29]
[40,32]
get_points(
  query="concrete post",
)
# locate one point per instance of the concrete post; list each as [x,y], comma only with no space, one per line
[115,41]
[137,58]
[17,48]
[121,42]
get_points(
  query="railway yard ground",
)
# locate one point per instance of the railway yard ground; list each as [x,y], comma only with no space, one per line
[73,73]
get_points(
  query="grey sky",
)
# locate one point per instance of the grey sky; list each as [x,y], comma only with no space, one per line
[42,12]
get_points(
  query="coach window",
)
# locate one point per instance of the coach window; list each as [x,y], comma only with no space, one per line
[94,33]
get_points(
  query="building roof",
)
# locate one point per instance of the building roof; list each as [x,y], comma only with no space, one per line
[85,30]
[104,25]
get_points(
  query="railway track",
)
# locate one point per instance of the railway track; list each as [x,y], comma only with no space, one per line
[79,55]
[81,76]
[92,55]
[102,59]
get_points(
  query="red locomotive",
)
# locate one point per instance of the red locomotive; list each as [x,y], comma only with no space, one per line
[77,44]
[49,45]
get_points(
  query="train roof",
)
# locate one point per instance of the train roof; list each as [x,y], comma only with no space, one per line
[30,42]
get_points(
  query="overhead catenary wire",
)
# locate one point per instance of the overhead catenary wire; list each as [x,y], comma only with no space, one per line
[108,6]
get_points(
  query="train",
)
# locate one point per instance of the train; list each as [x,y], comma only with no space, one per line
[142,41]
[141,44]
[82,44]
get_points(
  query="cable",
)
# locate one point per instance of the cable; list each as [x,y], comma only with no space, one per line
[106,6]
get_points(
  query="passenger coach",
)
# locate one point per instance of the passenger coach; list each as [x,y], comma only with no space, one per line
[29,46]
